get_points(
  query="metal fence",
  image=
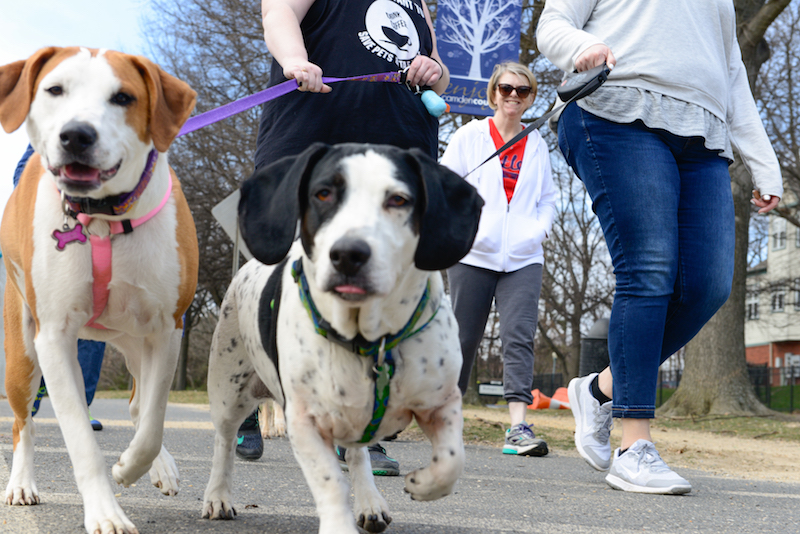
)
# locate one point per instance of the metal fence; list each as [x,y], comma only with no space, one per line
[774,386]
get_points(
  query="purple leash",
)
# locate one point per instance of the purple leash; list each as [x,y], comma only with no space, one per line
[251,101]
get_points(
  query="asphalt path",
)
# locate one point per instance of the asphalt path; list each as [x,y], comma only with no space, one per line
[558,493]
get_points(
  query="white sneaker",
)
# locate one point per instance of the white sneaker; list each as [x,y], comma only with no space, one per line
[593,423]
[641,469]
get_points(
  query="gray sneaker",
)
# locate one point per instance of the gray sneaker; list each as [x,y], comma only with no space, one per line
[521,440]
[593,423]
[640,469]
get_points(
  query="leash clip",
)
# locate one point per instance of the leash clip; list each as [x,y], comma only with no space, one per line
[379,361]
[404,80]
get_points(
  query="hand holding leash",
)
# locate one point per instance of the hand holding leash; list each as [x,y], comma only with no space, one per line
[308,76]
[424,71]
[594,56]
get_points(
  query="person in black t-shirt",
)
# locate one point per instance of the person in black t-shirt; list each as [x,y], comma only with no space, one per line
[342,38]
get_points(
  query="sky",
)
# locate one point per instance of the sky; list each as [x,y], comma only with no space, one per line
[26,26]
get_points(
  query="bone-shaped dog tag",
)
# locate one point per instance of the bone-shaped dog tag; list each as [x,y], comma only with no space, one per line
[68,235]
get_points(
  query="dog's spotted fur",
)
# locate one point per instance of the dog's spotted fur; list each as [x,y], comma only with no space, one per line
[371,218]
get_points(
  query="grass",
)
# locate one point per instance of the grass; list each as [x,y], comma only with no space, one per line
[177,397]
[777,428]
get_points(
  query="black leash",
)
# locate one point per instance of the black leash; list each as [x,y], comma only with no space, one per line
[574,87]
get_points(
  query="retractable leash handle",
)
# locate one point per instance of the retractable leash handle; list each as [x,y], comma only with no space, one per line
[575,86]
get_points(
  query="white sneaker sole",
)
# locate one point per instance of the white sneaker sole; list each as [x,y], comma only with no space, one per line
[575,406]
[623,485]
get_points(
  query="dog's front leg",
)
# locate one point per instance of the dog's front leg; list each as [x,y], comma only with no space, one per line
[153,370]
[22,381]
[321,469]
[64,379]
[443,426]
[371,510]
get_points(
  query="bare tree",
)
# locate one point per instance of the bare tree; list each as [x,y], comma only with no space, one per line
[715,379]
[578,281]
[217,47]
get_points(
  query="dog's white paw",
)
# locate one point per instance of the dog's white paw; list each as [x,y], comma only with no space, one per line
[423,486]
[22,494]
[164,473]
[107,519]
[126,472]
[373,522]
[218,507]
[370,508]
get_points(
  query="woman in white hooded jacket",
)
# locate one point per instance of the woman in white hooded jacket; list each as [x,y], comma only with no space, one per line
[507,257]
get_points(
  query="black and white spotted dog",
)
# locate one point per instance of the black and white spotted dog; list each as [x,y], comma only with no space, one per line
[353,335]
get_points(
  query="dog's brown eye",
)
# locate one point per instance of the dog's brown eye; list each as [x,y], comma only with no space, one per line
[56,90]
[323,194]
[397,201]
[122,99]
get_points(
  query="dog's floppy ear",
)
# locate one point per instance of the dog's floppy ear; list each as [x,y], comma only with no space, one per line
[171,102]
[450,220]
[17,83]
[270,204]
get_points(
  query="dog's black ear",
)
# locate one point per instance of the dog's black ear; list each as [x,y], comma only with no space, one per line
[450,220]
[270,204]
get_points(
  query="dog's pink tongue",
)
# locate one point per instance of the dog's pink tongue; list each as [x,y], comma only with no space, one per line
[350,289]
[81,173]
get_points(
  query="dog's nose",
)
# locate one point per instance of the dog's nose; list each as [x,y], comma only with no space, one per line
[348,255]
[77,137]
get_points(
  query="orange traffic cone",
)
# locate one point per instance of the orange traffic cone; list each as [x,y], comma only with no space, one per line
[543,402]
[562,397]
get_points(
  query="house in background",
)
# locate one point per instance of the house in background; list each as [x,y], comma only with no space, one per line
[772,313]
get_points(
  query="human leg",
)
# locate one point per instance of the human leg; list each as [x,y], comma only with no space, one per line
[633,177]
[249,442]
[90,357]
[471,291]
[517,298]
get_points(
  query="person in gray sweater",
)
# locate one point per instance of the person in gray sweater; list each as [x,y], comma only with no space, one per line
[652,147]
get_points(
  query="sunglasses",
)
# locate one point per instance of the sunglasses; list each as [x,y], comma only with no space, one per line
[522,91]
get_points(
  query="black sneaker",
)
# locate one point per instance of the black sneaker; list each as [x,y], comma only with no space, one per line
[250,444]
[96,425]
[382,465]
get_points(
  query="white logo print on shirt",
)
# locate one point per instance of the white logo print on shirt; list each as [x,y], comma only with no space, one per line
[391,33]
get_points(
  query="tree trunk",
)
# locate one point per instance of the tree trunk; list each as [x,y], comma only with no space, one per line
[715,379]
[183,358]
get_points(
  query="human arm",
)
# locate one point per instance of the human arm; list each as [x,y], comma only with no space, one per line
[429,71]
[281,21]
[561,38]
[546,207]
[750,139]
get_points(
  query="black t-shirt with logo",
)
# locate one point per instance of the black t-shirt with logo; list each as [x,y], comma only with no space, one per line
[352,38]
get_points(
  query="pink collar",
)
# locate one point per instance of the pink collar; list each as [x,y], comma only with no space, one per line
[101,255]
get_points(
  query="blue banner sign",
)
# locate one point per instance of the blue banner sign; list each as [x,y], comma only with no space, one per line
[472,37]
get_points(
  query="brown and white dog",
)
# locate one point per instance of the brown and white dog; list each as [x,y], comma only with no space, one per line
[98,185]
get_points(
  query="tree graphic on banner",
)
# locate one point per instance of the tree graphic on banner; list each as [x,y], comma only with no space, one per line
[479,27]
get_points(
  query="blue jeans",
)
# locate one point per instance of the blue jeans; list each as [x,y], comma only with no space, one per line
[666,209]
[90,353]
